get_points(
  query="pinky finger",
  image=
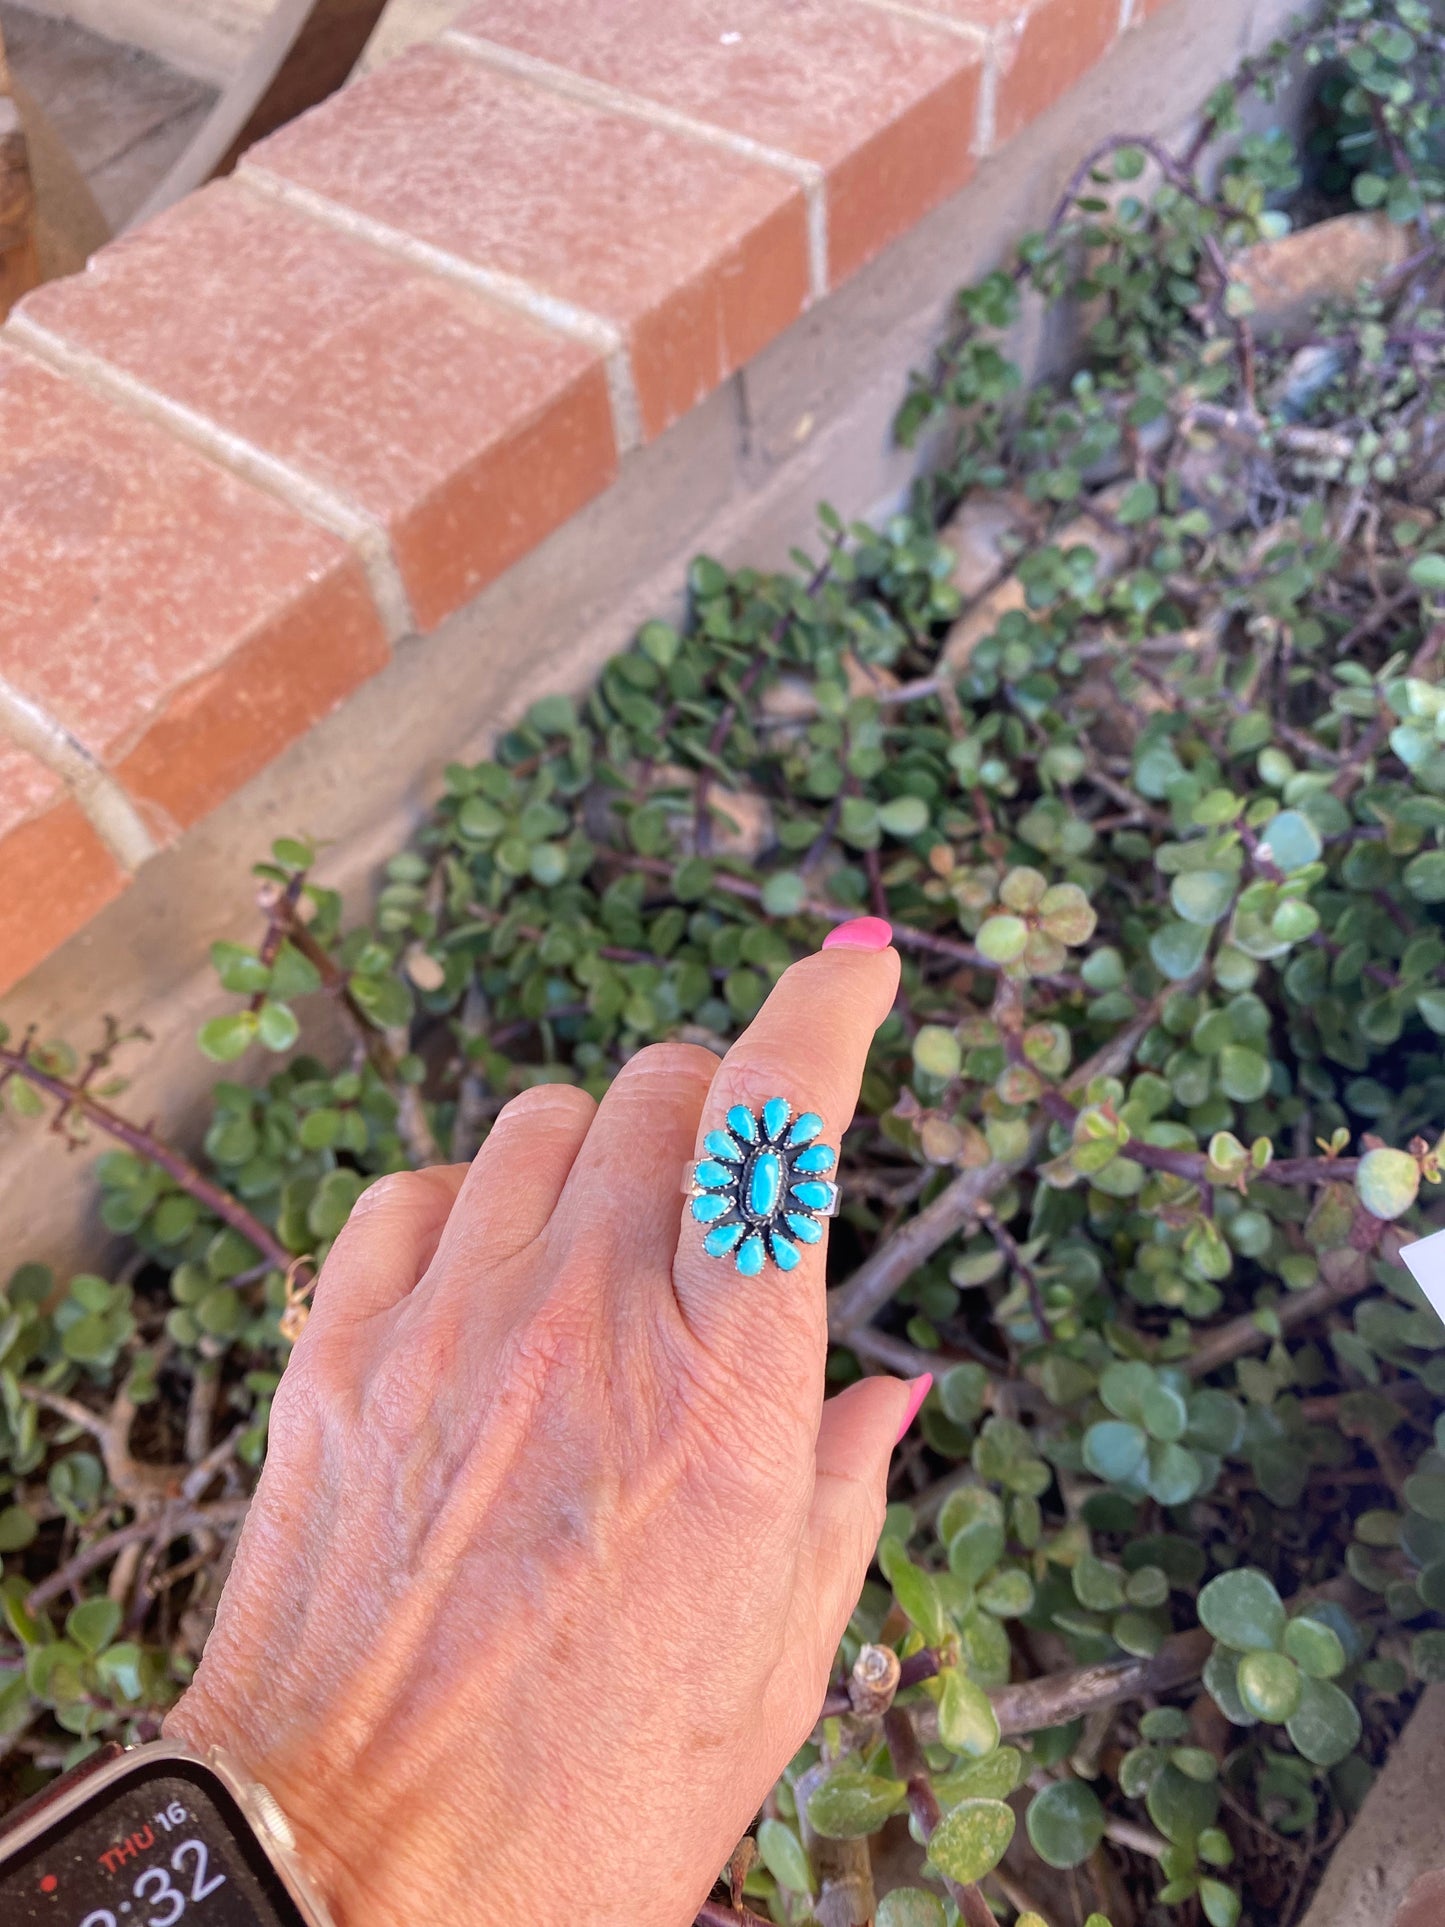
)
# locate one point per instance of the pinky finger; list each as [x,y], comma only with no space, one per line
[856,1437]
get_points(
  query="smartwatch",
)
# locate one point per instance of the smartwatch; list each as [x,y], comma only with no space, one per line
[154,1836]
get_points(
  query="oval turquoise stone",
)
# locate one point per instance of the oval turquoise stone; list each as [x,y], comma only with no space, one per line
[776,1113]
[707,1209]
[765,1184]
[818,1157]
[751,1256]
[808,1229]
[742,1124]
[806,1128]
[713,1174]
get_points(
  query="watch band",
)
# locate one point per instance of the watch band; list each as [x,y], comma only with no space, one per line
[58,1789]
[113,1764]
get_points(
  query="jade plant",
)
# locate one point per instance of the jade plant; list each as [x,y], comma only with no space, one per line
[1133,726]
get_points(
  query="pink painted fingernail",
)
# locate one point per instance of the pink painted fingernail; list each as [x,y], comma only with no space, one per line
[863,933]
[918,1390]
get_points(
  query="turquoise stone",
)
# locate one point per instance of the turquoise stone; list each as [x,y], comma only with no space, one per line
[776,1113]
[718,1144]
[785,1253]
[713,1174]
[816,1196]
[742,1124]
[707,1210]
[808,1229]
[751,1256]
[721,1239]
[817,1157]
[765,1184]
[806,1128]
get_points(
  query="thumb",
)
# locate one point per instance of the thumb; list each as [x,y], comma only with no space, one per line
[856,1438]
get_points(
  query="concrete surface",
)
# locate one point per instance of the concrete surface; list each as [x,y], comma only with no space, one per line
[209,39]
[1398,1834]
[122,114]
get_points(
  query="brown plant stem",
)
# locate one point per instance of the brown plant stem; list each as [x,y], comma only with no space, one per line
[1054,1699]
[137,1483]
[905,936]
[910,1765]
[918,1666]
[722,729]
[173,1523]
[1243,1334]
[1057,1698]
[882,1348]
[852,1305]
[145,1144]
[717,1913]
[280,908]
[1008,1246]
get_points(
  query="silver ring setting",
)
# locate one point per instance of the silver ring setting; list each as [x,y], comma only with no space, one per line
[760,1192]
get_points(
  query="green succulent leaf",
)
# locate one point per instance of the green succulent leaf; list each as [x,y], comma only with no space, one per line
[1314,1648]
[910,1907]
[1243,1610]
[781,1852]
[1065,1823]
[971,1839]
[849,1804]
[1269,1685]
[1326,1727]
[966,1720]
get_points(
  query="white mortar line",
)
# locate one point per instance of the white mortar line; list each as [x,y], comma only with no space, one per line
[265,471]
[988,44]
[617,100]
[510,289]
[927,16]
[986,134]
[110,812]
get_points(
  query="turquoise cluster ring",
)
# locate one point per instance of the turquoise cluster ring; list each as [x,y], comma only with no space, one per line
[761,1191]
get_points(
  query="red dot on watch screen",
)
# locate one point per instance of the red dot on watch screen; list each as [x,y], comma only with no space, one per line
[48,1883]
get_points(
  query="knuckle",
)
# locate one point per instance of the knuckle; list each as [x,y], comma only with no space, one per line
[671,1064]
[563,1104]
[765,1071]
[397,1191]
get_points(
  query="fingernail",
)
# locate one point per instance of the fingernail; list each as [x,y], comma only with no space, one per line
[863,933]
[918,1390]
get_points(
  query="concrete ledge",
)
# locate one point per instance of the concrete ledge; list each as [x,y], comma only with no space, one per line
[1398,1834]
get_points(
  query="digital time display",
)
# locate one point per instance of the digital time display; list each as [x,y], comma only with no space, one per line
[168,1847]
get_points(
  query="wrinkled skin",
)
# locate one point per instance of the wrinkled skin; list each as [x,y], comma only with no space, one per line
[556,1536]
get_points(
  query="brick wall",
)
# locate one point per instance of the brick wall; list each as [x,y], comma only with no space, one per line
[313,411]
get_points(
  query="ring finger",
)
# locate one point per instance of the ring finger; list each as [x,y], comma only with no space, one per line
[749,1268]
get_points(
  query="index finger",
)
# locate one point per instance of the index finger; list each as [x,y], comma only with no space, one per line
[751,1254]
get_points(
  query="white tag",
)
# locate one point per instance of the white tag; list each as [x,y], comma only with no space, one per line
[1425,1261]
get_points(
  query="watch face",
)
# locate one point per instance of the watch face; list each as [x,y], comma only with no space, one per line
[168,1847]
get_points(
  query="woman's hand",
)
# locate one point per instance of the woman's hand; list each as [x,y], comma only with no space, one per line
[556,1537]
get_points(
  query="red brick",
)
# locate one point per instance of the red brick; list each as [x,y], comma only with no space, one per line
[464,428]
[178,622]
[1041,49]
[55,873]
[699,257]
[886,106]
